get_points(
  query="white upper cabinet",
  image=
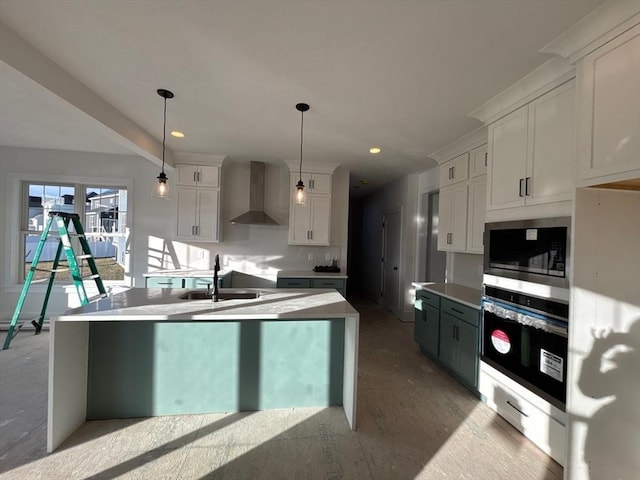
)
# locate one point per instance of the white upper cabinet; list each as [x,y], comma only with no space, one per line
[478,161]
[476,213]
[198,213]
[452,227]
[310,224]
[455,170]
[316,183]
[609,111]
[198,175]
[531,152]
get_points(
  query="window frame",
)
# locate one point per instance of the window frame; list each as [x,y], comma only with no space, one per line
[17,220]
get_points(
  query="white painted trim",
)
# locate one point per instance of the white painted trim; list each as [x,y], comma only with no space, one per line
[199,158]
[312,167]
[599,27]
[350,372]
[468,142]
[546,77]
[23,57]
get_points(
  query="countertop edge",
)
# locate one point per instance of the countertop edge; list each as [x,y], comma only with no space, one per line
[461,293]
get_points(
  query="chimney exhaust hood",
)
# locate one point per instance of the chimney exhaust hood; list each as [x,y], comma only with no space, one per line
[255,215]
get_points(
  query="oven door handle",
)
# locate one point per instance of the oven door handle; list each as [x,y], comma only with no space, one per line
[524,318]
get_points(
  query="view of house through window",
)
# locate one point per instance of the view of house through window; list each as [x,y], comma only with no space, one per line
[103,213]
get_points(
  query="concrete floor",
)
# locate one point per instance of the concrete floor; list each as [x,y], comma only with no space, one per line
[414,422]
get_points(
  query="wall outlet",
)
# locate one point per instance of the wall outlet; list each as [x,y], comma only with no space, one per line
[310,257]
[327,257]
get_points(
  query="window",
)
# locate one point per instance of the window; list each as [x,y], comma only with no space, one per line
[103,210]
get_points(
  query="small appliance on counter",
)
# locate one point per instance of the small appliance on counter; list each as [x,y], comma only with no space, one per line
[326,268]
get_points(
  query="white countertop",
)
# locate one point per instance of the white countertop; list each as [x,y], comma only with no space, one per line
[185,273]
[458,293]
[309,274]
[163,304]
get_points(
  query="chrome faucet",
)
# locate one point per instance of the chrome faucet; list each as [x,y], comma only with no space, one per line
[216,269]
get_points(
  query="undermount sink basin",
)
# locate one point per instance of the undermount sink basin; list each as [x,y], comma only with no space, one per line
[204,295]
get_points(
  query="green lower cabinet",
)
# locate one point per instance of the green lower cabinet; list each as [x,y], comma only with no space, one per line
[449,332]
[164,282]
[202,282]
[339,284]
[427,327]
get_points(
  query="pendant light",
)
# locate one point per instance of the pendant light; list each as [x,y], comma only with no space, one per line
[161,189]
[299,196]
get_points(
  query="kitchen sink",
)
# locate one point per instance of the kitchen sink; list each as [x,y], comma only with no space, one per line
[204,295]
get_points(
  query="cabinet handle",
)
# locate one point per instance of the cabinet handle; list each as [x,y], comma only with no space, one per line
[307,234]
[486,154]
[527,185]
[516,408]
[520,188]
[197,229]
[312,181]
[453,172]
[457,311]
[194,176]
[311,234]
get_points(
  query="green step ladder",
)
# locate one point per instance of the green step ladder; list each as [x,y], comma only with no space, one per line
[62,221]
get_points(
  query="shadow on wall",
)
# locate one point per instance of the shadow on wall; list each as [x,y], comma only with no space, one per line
[610,371]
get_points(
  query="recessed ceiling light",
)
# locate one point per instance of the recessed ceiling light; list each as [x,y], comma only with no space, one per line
[364,181]
[374,150]
[178,134]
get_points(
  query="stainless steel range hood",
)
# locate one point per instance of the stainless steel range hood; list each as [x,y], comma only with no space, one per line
[255,215]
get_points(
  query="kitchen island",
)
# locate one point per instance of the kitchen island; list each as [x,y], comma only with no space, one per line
[146,352]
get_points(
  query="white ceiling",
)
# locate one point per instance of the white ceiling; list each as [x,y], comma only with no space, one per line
[401,75]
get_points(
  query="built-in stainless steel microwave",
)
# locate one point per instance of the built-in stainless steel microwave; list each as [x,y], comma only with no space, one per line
[532,250]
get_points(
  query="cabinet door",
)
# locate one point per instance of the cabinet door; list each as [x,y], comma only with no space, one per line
[320,184]
[163,282]
[207,215]
[320,217]
[478,160]
[419,323]
[507,160]
[468,348]
[609,111]
[186,174]
[432,329]
[550,163]
[187,200]
[445,218]
[208,176]
[458,238]
[455,170]
[299,223]
[448,343]
[477,213]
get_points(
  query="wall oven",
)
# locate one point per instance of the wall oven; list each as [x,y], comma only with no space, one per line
[531,250]
[525,337]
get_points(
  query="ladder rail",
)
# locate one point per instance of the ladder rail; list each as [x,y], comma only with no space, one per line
[62,221]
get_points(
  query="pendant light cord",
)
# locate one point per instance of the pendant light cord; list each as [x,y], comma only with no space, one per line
[164,131]
[301,130]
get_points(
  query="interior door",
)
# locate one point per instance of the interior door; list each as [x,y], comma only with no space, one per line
[392,223]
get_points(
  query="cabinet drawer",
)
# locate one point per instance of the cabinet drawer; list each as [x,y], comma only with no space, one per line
[327,283]
[294,283]
[428,297]
[455,309]
[537,425]
[164,282]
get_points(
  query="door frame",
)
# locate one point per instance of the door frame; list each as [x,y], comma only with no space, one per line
[396,308]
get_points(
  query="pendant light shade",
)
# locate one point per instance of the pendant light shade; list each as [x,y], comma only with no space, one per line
[161,188]
[300,196]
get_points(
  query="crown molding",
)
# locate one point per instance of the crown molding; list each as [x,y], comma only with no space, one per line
[312,167]
[199,158]
[471,140]
[553,73]
[602,25]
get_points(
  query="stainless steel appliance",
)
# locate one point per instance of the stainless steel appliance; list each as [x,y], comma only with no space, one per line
[531,250]
[525,337]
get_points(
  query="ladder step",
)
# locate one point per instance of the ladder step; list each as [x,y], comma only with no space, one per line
[51,270]
[97,297]
[81,257]
[89,277]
